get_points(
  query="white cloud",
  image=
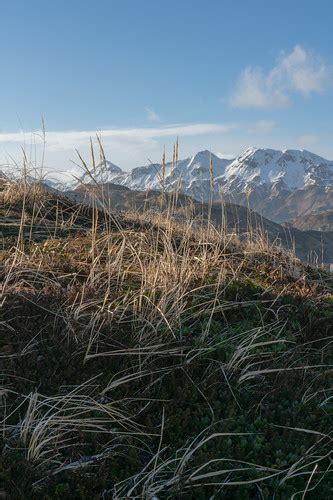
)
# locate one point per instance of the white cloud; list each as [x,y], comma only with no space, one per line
[253,91]
[152,115]
[300,71]
[262,126]
[128,148]
[73,138]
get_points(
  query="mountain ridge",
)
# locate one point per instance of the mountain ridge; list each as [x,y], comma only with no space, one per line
[279,184]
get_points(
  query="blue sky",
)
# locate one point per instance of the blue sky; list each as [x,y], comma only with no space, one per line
[222,74]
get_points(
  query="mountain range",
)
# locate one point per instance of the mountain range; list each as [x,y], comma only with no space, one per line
[280,185]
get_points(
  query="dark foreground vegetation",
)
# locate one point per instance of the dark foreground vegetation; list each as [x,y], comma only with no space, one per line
[147,358]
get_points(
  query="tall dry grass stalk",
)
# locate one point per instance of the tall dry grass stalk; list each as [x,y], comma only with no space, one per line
[146,288]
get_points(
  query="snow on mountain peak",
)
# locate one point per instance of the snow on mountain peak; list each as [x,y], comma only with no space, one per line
[266,166]
[201,156]
[104,172]
[265,172]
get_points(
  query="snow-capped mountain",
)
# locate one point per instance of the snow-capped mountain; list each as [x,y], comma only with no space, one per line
[292,169]
[52,184]
[279,184]
[192,175]
[295,168]
[105,172]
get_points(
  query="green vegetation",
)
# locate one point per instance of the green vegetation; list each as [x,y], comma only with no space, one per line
[145,358]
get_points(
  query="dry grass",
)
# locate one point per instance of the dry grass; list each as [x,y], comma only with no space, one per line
[120,314]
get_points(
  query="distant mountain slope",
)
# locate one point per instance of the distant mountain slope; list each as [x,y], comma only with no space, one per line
[295,168]
[279,184]
[322,221]
[310,246]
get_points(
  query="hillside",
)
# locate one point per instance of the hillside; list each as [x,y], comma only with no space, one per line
[310,246]
[319,221]
[144,356]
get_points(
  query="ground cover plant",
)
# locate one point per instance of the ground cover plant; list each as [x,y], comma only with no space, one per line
[144,356]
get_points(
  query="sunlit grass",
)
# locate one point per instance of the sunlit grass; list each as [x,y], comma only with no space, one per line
[147,355]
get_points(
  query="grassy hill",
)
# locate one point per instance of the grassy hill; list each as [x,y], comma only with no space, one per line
[146,355]
[309,245]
